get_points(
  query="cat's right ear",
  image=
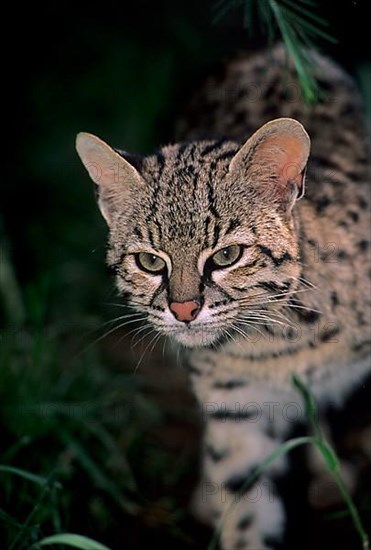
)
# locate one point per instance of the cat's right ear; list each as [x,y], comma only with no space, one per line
[114,176]
[274,160]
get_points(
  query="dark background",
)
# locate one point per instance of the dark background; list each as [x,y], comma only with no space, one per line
[122,71]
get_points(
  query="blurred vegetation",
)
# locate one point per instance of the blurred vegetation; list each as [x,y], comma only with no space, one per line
[88,430]
[70,412]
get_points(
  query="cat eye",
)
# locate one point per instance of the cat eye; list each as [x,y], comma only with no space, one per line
[225,257]
[150,262]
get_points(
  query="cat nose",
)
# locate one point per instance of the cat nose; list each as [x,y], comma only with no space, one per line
[185,311]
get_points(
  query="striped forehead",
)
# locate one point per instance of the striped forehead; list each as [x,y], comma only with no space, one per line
[182,204]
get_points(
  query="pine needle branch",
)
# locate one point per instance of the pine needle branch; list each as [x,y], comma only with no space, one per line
[296,22]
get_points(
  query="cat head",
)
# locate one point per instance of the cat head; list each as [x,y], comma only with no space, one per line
[203,237]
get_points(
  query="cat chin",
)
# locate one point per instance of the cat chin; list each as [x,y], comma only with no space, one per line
[197,338]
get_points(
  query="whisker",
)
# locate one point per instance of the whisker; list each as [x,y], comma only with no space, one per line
[297,306]
[156,336]
[274,299]
[261,318]
[121,325]
[144,336]
[139,331]
[230,335]
[244,334]
[304,281]
[268,316]
[115,304]
[123,317]
[284,294]
[253,323]
[155,343]
[164,346]
[136,329]
[271,314]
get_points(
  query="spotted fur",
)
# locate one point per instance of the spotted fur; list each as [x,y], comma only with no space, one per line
[298,300]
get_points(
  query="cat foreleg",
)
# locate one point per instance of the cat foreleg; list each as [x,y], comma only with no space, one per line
[242,501]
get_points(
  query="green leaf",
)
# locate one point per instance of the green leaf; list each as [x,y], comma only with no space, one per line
[27,475]
[310,404]
[329,456]
[76,541]
[283,449]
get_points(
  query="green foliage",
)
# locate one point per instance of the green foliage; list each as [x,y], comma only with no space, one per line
[67,422]
[295,22]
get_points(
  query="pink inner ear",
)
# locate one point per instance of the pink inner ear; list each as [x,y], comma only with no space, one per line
[286,156]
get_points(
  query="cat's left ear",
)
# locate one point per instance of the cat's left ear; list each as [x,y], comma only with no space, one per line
[117,179]
[274,160]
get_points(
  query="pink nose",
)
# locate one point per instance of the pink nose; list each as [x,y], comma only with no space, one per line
[185,311]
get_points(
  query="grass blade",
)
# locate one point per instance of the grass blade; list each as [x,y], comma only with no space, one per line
[18,543]
[330,458]
[27,475]
[70,539]
[7,518]
[99,476]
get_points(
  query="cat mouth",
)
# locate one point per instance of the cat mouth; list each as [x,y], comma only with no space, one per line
[199,336]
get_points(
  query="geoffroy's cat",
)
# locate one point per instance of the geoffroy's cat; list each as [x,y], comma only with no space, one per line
[209,239]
